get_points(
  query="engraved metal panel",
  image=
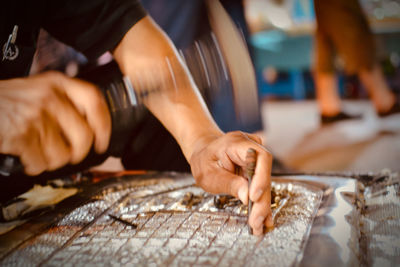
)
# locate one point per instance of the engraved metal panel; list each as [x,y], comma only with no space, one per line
[171,222]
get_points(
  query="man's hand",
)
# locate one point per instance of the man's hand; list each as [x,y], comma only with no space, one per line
[214,165]
[50,120]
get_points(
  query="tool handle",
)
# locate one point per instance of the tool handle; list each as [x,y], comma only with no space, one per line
[251,162]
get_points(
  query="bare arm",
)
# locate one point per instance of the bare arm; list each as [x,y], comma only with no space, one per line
[150,59]
[146,51]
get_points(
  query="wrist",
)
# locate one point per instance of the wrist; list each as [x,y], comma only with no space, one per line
[201,143]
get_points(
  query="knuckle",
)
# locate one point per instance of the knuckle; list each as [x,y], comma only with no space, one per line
[257,138]
[235,135]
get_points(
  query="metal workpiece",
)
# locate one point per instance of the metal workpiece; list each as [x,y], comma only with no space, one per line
[358,222]
[331,233]
[165,220]
[378,219]
[177,224]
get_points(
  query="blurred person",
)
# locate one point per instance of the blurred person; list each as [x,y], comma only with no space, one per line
[50,120]
[342,27]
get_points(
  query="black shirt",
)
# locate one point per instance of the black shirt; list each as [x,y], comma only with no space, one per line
[90,26]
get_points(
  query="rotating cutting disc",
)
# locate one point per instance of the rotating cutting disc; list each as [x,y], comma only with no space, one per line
[238,61]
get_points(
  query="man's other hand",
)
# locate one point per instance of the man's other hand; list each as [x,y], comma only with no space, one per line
[49,120]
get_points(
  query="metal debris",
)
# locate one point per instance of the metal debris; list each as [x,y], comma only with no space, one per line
[223,201]
[199,235]
[377,219]
[189,200]
[132,225]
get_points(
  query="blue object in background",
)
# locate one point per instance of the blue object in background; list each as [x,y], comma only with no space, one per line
[290,84]
[303,11]
[287,54]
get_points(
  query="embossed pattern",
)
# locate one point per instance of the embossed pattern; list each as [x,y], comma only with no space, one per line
[169,232]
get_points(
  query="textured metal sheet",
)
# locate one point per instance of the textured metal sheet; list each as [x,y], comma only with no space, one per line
[358,221]
[170,233]
[378,220]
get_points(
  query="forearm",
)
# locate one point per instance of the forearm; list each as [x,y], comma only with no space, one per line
[187,118]
[149,58]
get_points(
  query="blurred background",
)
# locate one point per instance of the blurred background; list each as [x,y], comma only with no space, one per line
[282,40]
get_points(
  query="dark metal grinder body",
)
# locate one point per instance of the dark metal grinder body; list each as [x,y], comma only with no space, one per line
[122,102]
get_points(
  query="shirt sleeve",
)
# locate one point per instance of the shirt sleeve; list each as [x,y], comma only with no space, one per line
[91,26]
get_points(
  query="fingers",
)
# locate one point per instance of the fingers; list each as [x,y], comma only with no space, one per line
[55,147]
[227,182]
[73,127]
[236,186]
[262,176]
[227,164]
[50,120]
[260,188]
[255,138]
[261,214]
[31,155]
[90,103]
[44,148]
[260,193]
[224,182]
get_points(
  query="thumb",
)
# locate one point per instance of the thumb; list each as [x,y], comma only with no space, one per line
[229,183]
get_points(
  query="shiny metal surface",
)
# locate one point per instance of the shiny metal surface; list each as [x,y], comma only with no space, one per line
[329,241]
[174,223]
[172,229]
[347,233]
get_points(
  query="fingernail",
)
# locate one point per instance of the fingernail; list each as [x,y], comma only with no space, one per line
[257,195]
